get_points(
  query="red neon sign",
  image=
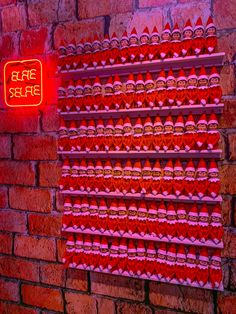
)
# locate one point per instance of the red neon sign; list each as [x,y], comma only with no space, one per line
[23,83]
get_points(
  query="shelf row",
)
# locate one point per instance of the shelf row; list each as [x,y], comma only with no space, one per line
[207,60]
[143,112]
[174,198]
[194,154]
[136,236]
[154,278]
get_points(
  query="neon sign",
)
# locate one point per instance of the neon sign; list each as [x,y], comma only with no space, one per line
[23,83]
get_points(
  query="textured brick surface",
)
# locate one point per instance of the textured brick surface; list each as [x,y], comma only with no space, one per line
[48,298]
[232,146]
[224,13]
[181,298]
[16,172]
[45,225]
[226,303]
[5,146]
[77,279]
[12,221]
[9,290]
[5,243]
[16,309]
[41,147]
[42,12]
[86,9]
[78,30]
[19,121]
[31,199]
[49,174]
[13,18]
[82,304]
[227,175]
[53,274]
[129,308]
[155,3]
[33,42]
[229,240]
[19,268]
[3,197]
[38,248]
[111,285]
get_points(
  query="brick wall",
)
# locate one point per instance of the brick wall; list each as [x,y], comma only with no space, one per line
[32,277]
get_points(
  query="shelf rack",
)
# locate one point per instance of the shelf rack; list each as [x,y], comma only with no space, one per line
[208,286]
[135,236]
[182,198]
[143,154]
[214,59]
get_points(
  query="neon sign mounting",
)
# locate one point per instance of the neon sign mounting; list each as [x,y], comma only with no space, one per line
[23,83]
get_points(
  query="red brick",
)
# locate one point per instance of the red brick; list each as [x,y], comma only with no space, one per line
[226,44]
[19,268]
[50,173]
[226,303]
[232,146]
[67,9]
[9,290]
[7,2]
[59,202]
[61,246]
[182,12]
[181,298]
[5,146]
[228,117]
[32,199]
[86,9]
[226,210]
[8,308]
[50,118]
[13,18]
[53,274]
[233,275]
[111,286]
[48,298]
[44,225]
[225,269]
[79,303]
[5,243]
[155,3]
[77,279]
[38,147]
[224,14]
[38,248]
[33,42]
[78,30]
[15,172]
[129,308]
[12,221]
[229,240]
[3,197]
[104,305]
[227,176]
[19,121]
[42,12]
[139,19]
[8,45]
